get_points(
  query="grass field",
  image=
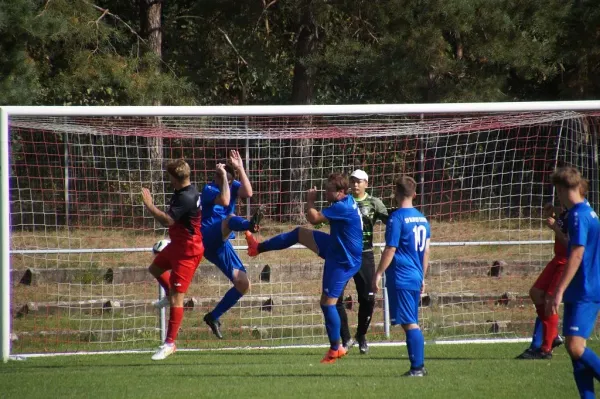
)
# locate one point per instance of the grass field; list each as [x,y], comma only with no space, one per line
[455,371]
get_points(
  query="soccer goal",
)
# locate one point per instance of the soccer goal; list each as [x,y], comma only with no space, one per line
[76,241]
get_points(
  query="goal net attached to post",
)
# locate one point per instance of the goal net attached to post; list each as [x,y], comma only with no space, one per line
[80,239]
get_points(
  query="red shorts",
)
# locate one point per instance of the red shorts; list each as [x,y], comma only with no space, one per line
[182,267]
[548,280]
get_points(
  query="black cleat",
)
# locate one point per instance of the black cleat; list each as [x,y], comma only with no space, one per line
[535,354]
[422,372]
[257,216]
[363,346]
[215,325]
[558,341]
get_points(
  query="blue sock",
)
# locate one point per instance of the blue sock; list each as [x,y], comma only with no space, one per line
[591,361]
[584,380]
[538,334]
[332,324]
[415,343]
[281,241]
[237,223]
[229,299]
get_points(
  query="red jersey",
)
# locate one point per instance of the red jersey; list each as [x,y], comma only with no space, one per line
[184,209]
[559,249]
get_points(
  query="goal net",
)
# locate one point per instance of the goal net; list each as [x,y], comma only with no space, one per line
[80,237]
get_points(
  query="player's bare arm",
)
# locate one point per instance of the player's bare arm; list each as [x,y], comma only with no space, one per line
[312,215]
[236,161]
[162,217]
[384,263]
[425,263]
[573,264]
[224,196]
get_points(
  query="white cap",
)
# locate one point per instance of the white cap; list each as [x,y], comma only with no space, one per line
[360,175]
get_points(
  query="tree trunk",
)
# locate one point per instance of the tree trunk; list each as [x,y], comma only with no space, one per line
[151,31]
[298,152]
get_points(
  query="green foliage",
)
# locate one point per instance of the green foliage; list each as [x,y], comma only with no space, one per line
[232,52]
[68,52]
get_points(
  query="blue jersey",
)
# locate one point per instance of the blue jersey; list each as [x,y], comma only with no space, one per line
[584,230]
[213,213]
[408,231]
[346,244]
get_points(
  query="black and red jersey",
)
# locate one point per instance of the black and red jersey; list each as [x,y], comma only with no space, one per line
[184,209]
[561,221]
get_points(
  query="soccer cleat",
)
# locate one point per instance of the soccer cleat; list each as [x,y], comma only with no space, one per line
[163,303]
[215,325]
[334,354]
[164,351]
[422,372]
[252,244]
[535,354]
[363,346]
[256,218]
[349,344]
[558,341]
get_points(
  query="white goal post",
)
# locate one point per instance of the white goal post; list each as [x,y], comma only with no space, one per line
[444,144]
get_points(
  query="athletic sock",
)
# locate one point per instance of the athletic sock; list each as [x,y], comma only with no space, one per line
[237,223]
[332,324]
[416,348]
[164,281]
[584,380]
[281,241]
[538,334]
[175,318]
[229,299]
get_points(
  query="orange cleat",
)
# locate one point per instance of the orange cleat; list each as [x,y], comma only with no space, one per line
[252,244]
[332,355]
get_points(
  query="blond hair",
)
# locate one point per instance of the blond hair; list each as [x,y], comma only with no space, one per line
[179,169]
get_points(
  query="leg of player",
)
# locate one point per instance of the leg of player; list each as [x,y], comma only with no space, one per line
[366,299]
[227,260]
[580,319]
[162,276]
[347,341]
[181,276]
[299,235]
[415,344]
[332,325]
[237,223]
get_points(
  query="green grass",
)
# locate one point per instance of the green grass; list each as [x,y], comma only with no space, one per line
[456,371]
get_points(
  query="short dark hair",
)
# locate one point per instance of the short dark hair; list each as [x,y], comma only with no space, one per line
[567,177]
[583,187]
[179,169]
[406,187]
[339,180]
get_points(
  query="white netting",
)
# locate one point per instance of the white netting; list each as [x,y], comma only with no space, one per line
[75,184]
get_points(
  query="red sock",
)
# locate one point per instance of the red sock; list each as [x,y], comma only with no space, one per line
[163,280]
[550,324]
[175,318]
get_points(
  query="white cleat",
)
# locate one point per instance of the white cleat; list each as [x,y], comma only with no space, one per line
[164,351]
[163,303]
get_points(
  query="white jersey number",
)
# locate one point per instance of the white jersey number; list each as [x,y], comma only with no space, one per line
[420,238]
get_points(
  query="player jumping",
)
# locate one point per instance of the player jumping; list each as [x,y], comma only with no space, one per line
[218,222]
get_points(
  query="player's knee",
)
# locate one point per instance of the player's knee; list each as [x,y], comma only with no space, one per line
[241,283]
[536,295]
[575,347]
[176,299]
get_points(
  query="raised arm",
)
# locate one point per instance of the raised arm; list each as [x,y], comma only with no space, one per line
[245,190]
[162,217]
[312,215]
[224,196]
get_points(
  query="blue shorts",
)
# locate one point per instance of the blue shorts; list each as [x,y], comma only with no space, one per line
[219,252]
[335,276]
[404,305]
[579,318]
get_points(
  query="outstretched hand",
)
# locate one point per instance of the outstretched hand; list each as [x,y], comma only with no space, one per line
[146,197]
[235,160]
[311,195]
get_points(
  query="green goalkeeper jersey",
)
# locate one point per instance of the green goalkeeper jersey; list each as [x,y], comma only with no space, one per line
[371,210]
